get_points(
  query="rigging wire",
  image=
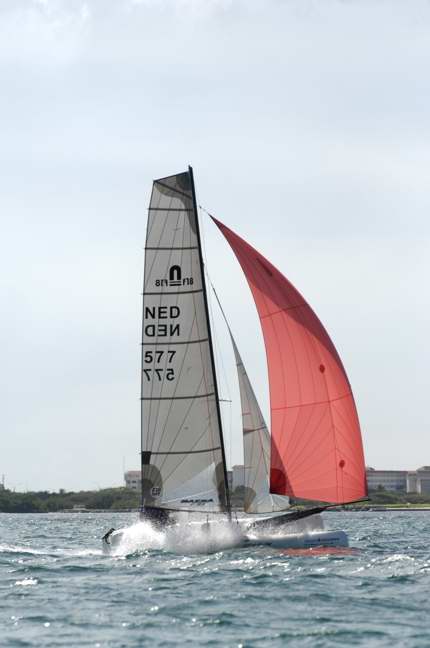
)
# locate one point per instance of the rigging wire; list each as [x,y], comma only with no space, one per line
[217,347]
[221,364]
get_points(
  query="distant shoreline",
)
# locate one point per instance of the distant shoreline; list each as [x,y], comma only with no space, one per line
[107,499]
[359,509]
[377,509]
[124,500]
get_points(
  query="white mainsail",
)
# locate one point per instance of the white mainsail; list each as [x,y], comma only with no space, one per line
[183,464]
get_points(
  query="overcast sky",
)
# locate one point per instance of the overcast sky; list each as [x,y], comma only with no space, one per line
[307,124]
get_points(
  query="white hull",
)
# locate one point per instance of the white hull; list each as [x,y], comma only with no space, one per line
[194,538]
[302,540]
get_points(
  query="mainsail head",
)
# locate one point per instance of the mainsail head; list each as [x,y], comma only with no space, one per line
[183,463]
[316,447]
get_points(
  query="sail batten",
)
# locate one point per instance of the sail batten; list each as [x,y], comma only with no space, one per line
[316,447]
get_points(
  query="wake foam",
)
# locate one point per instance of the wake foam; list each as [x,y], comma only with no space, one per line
[18,549]
[30,551]
[190,538]
[199,538]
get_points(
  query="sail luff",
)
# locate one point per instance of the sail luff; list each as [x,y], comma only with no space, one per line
[316,450]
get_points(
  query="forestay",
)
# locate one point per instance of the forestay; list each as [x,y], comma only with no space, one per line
[182,453]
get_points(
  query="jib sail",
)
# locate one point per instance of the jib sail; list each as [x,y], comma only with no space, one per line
[256,443]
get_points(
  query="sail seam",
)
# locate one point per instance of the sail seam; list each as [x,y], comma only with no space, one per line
[249,430]
[199,341]
[191,247]
[181,452]
[178,292]
[177,397]
[168,209]
[282,310]
[324,402]
[183,510]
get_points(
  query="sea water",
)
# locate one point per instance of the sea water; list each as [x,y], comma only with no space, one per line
[57,588]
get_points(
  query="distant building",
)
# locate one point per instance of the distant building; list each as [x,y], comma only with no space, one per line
[390,480]
[133,479]
[406,481]
[418,481]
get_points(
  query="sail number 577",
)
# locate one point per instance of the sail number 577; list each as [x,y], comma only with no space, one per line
[158,357]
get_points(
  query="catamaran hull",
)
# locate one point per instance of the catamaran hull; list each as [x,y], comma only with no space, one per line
[302,540]
[112,543]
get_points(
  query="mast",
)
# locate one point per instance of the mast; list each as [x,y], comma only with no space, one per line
[205,297]
[142,496]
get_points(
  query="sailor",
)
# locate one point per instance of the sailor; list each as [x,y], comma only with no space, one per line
[107,535]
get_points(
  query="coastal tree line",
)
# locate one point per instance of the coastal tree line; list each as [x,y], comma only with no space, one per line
[120,499]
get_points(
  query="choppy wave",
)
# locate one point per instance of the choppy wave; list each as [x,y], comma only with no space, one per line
[181,588]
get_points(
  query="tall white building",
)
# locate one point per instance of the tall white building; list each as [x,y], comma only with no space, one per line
[418,481]
[133,479]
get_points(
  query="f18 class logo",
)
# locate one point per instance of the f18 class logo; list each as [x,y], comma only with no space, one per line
[175,278]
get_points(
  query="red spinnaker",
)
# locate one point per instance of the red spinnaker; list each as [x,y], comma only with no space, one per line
[316,451]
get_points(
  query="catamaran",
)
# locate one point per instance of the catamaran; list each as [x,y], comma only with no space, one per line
[313,450]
